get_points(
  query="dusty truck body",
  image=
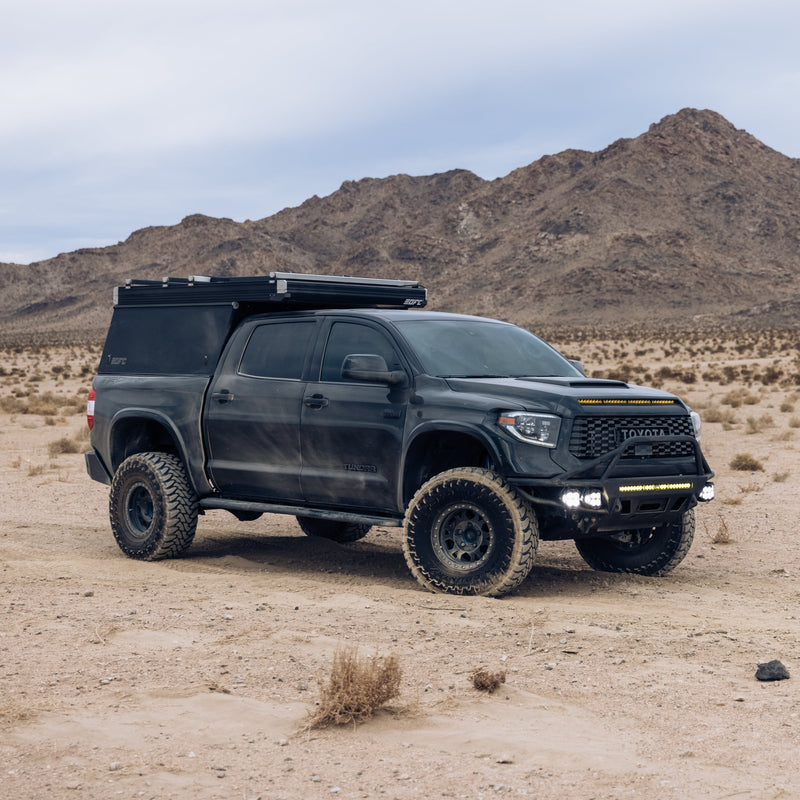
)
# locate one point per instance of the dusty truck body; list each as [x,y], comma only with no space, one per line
[344,403]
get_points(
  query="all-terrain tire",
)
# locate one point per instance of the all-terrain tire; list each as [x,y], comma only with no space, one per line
[152,507]
[342,532]
[469,532]
[645,551]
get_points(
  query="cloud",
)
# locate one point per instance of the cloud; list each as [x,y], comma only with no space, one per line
[163,75]
[122,115]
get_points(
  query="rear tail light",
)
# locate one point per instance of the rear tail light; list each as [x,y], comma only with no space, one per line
[90,410]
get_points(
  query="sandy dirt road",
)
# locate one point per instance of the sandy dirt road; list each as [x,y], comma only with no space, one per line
[194,678]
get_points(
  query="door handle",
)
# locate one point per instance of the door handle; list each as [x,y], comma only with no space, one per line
[222,396]
[316,401]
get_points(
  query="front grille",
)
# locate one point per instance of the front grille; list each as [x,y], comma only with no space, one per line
[593,437]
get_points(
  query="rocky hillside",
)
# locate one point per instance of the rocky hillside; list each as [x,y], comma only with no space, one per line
[692,222]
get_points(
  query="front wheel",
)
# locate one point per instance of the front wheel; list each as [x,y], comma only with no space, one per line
[643,551]
[468,532]
[152,507]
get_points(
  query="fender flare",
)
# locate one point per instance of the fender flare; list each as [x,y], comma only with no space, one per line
[193,461]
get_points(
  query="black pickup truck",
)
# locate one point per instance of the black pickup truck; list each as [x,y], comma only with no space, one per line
[343,402]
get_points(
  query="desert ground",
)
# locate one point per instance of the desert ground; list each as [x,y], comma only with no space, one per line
[196,678]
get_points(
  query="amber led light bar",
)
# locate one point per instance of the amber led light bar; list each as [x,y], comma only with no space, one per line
[611,401]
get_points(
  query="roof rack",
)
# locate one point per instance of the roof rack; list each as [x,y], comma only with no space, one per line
[287,288]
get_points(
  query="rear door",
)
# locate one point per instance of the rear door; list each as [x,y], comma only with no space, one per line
[253,411]
[352,432]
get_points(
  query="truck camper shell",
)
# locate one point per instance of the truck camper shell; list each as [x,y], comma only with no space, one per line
[180,325]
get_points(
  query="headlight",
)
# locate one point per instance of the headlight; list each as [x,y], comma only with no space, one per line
[696,423]
[533,428]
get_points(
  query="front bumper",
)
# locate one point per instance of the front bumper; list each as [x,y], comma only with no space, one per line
[624,491]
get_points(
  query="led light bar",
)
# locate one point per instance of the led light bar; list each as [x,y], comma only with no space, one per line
[654,487]
[612,401]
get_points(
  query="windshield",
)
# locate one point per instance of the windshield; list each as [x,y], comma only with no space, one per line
[473,348]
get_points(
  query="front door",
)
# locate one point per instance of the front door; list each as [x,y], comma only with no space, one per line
[352,432]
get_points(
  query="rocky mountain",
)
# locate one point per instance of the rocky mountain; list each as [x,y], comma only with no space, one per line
[691,223]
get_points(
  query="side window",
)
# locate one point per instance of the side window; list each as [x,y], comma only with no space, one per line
[277,350]
[347,338]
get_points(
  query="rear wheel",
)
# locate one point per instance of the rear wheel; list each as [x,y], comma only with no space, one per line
[468,532]
[152,507]
[642,551]
[334,530]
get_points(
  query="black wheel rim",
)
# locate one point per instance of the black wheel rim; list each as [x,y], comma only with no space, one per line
[463,537]
[140,511]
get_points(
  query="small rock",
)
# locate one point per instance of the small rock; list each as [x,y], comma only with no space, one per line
[772,671]
[114,766]
[505,758]
[88,593]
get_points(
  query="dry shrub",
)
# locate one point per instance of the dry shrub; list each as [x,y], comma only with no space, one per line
[356,688]
[721,535]
[749,488]
[486,681]
[13,712]
[63,445]
[45,405]
[758,424]
[668,373]
[771,375]
[717,414]
[744,462]
[12,405]
[739,397]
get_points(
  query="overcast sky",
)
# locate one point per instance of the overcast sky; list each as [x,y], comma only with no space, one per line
[117,116]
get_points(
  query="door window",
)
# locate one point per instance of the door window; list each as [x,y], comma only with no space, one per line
[348,338]
[277,350]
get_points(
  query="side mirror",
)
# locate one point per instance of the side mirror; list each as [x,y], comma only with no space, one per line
[369,368]
[578,366]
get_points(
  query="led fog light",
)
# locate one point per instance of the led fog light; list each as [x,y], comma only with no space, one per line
[593,499]
[572,498]
[706,493]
